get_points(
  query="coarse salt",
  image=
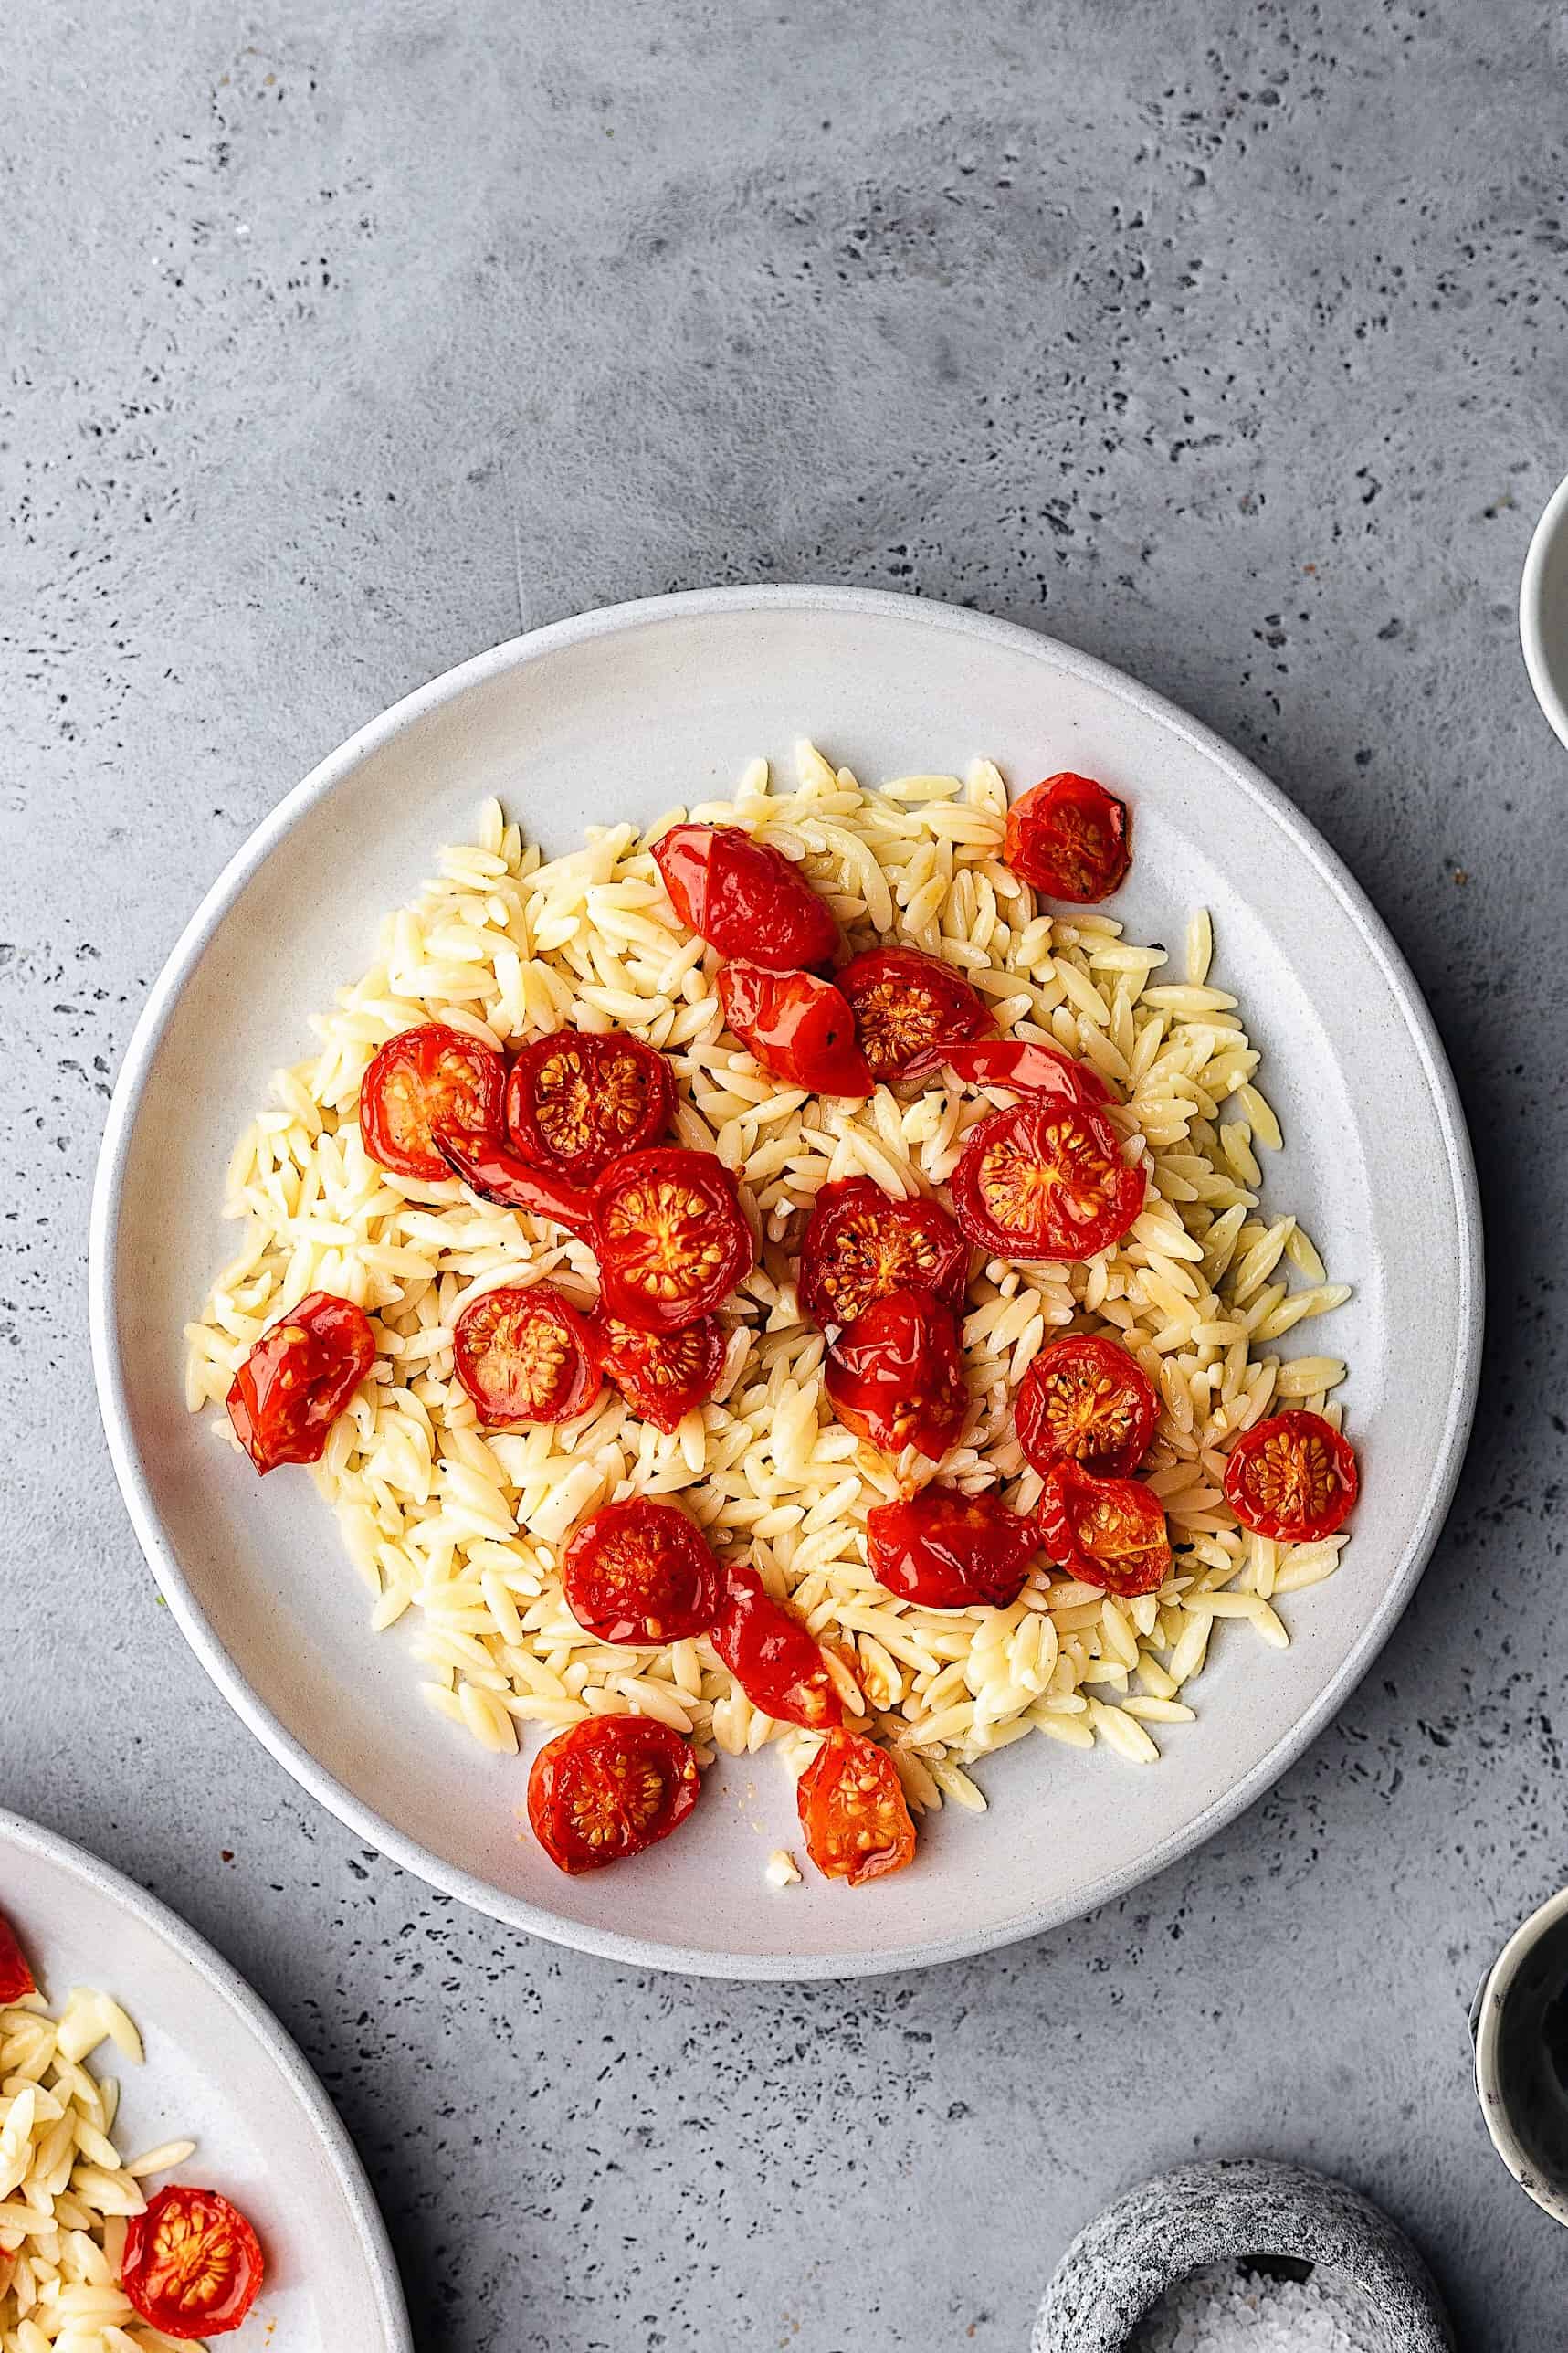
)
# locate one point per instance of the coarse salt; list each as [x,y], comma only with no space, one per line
[1226,2308]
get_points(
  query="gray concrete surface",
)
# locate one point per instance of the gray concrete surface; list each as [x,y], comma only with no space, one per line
[1228,341]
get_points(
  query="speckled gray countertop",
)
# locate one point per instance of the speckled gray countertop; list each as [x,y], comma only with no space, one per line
[1227,342]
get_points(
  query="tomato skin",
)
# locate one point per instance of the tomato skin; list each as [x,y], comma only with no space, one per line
[192,2262]
[662,1375]
[423,1080]
[524,1355]
[951,1551]
[908,1008]
[1070,838]
[298,1378]
[1030,1067]
[491,1169]
[669,1236]
[853,1810]
[775,1662]
[1105,1532]
[1292,1477]
[641,1573]
[16,1977]
[575,1099]
[797,1026]
[860,1243]
[1045,1179]
[1088,1399]
[609,1787]
[743,898]
[895,1376]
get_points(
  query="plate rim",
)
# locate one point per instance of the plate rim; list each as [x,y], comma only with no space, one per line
[515,1912]
[20,1832]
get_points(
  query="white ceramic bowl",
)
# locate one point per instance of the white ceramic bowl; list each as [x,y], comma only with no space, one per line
[1543,611]
[624,712]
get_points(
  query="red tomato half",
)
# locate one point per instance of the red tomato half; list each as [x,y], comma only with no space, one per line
[853,1810]
[574,1100]
[671,1238]
[1105,1532]
[744,899]
[773,1658]
[524,1355]
[496,1174]
[1045,1179]
[662,1375]
[609,1787]
[950,1551]
[796,1026]
[298,1378]
[192,2263]
[908,1008]
[860,1243]
[1086,1398]
[16,1977]
[421,1081]
[1070,838]
[1031,1067]
[895,1376]
[641,1572]
[1292,1477]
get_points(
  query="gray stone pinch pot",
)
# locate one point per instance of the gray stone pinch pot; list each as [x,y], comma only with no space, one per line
[1118,2267]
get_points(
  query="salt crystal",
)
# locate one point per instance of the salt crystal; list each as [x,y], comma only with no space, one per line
[1230,2308]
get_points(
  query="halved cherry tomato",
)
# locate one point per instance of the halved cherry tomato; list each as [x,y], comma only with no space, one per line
[423,1080]
[1089,1398]
[641,1572]
[744,899]
[608,1787]
[298,1378]
[896,1377]
[192,2263]
[662,1375]
[1105,1532]
[524,1355]
[951,1551]
[1045,1179]
[489,1169]
[671,1238]
[1070,838]
[1031,1067]
[576,1099]
[796,1026]
[1292,1477]
[908,1008]
[853,1810]
[773,1658]
[860,1243]
[16,1977]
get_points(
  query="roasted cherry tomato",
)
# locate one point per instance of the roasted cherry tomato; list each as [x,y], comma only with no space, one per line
[1086,1398]
[524,1355]
[1031,1067]
[908,1008]
[671,1238]
[951,1551]
[1070,838]
[895,1376]
[773,1658]
[744,899]
[797,1026]
[662,1375]
[298,1378]
[489,1169]
[193,2264]
[860,1243]
[1045,1179]
[1105,1532]
[853,1812]
[609,1787]
[424,1079]
[575,1100]
[641,1572]
[1292,1477]
[16,1977]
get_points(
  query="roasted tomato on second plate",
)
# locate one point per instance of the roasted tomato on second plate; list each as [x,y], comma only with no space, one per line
[908,1008]
[744,899]
[795,1026]
[775,1662]
[669,1236]
[662,1375]
[641,1572]
[1292,1477]
[1086,1398]
[951,1551]
[524,1355]
[16,1977]
[192,2263]
[860,1243]
[420,1081]
[1045,1179]
[576,1099]
[608,1787]
[853,1810]
[1070,838]
[895,1376]
[1030,1067]
[1105,1532]
[298,1378]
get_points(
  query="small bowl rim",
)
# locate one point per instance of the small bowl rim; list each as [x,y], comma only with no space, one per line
[1551,697]
[1488,2020]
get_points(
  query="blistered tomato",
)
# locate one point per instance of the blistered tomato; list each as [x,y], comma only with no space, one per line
[1070,838]
[1105,1532]
[671,1238]
[298,1378]
[1045,1179]
[1086,1398]
[951,1551]
[795,1026]
[576,1099]
[192,2262]
[662,1375]
[608,1787]
[896,1376]
[908,1009]
[422,1081]
[1292,1477]
[772,1657]
[744,899]
[860,1243]
[853,1810]
[1029,1066]
[524,1355]
[641,1572]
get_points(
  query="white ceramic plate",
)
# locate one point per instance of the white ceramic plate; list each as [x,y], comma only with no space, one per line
[622,713]
[219,2071]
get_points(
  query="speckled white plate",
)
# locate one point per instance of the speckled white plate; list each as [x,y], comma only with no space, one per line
[621,714]
[221,2072]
